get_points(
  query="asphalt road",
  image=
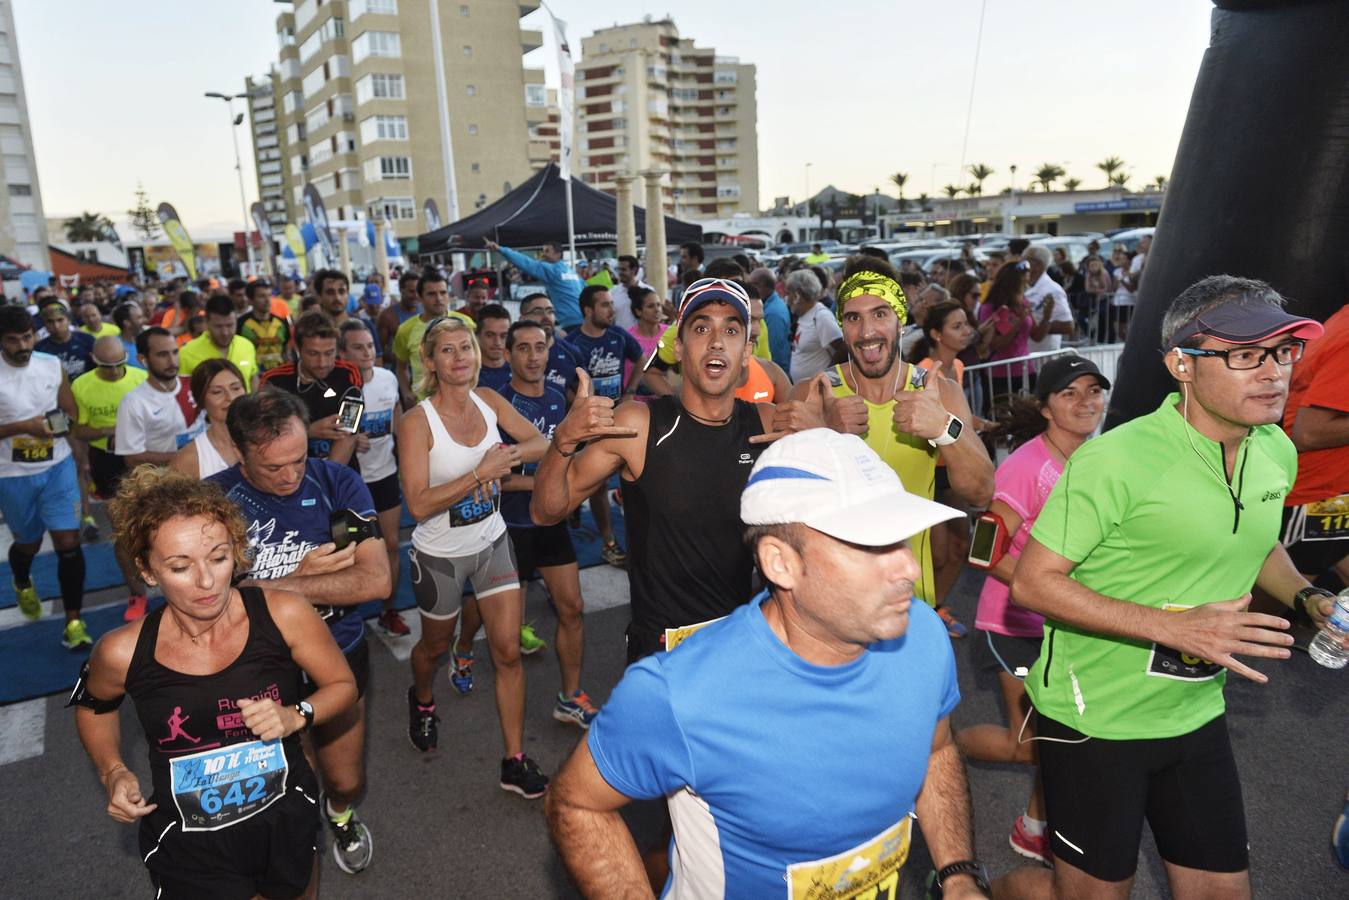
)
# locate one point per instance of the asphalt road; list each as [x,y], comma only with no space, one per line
[443,828]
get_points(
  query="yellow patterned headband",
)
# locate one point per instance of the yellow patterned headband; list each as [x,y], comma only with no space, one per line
[876,285]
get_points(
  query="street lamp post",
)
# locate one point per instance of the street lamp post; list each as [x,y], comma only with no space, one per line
[238,166]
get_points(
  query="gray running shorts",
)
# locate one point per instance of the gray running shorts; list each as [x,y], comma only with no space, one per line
[438,582]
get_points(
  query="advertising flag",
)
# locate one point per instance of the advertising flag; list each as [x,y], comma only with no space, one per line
[296,245]
[317,215]
[177,234]
[432,214]
[565,95]
[264,226]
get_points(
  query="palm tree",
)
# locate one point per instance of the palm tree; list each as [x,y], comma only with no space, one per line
[1110,165]
[973,190]
[1119,180]
[1072,184]
[924,201]
[1047,174]
[899,179]
[87,227]
[1160,181]
[952,191]
[979,172]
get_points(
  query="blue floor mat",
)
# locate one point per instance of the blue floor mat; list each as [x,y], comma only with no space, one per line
[34,664]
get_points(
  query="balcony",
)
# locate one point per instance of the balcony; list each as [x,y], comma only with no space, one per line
[530,39]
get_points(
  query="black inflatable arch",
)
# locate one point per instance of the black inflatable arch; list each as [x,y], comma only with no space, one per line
[1260,186]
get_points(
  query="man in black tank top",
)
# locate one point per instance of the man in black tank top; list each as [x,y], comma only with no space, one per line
[684,461]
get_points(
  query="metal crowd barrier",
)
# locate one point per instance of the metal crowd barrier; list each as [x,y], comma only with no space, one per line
[988,384]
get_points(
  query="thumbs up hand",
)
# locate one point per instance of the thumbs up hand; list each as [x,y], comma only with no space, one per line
[921,413]
[589,418]
[798,415]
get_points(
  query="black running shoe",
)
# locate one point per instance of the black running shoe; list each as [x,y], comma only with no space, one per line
[522,775]
[422,729]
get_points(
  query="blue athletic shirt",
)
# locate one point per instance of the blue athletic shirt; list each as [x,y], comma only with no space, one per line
[281,530]
[76,354]
[546,413]
[494,379]
[767,760]
[604,356]
[563,360]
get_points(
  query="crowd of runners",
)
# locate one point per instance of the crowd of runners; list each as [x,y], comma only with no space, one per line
[798,468]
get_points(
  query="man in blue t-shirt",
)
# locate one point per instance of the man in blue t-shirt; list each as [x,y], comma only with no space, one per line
[563,358]
[74,348]
[794,739]
[545,548]
[603,348]
[288,500]
[554,273]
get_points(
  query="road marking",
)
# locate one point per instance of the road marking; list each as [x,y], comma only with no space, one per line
[23,728]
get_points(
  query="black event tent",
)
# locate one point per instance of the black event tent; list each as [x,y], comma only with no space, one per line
[536,212]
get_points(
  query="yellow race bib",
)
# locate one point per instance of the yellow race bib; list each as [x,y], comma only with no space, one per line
[869,871]
[31,449]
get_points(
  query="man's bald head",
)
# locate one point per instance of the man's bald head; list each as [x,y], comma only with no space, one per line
[109,351]
[763,282]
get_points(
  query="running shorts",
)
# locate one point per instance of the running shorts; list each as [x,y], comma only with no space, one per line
[542,547]
[270,854]
[438,583]
[386,493]
[106,471]
[358,658]
[1098,794]
[47,501]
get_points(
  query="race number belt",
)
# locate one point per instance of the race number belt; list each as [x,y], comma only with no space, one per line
[1327,520]
[472,509]
[870,870]
[218,788]
[32,450]
[673,637]
[1168,662]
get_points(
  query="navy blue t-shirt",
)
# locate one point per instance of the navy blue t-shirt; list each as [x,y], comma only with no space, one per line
[563,360]
[494,379]
[76,354]
[546,413]
[281,530]
[603,358]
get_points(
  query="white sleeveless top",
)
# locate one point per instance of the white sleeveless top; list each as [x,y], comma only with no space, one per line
[467,527]
[209,460]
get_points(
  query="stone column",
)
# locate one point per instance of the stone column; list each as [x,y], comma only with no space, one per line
[626,224]
[655,234]
[382,254]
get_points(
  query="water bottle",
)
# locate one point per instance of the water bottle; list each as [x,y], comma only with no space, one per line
[1328,648]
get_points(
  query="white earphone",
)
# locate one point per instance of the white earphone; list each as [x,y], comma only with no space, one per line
[1181,357]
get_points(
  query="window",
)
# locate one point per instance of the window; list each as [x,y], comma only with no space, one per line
[317,118]
[314,81]
[379,86]
[398,208]
[359,8]
[21,190]
[468,51]
[472,129]
[536,95]
[470,90]
[291,102]
[375,43]
[388,168]
[320,153]
[724,77]
[332,28]
[384,128]
[475,168]
[463,10]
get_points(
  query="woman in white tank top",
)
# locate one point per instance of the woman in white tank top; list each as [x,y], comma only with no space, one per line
[452,464]
[216,384]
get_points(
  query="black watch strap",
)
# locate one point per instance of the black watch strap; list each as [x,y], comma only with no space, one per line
[971,867]
[304,709]
[1300,598]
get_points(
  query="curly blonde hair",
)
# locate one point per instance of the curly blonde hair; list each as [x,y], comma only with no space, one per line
[151,495]
[445,325]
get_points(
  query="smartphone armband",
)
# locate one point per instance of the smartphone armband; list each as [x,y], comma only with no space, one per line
[350,527]
[989,542]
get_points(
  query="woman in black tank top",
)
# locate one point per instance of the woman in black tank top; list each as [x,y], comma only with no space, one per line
[215,677]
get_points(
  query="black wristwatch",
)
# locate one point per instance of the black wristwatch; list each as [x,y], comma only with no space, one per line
[1300,598]
[304,709]
[971,867]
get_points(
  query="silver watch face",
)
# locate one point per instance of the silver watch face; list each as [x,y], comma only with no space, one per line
[306,710]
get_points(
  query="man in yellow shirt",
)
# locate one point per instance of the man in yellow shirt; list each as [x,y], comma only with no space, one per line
[94,324]
[816,255]
[220,340]
[434,292]
[98,394]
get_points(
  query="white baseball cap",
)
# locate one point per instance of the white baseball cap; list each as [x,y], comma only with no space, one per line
[835,484]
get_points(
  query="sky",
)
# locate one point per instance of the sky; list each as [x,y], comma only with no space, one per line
[848,93]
